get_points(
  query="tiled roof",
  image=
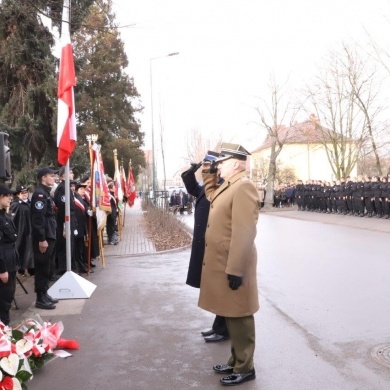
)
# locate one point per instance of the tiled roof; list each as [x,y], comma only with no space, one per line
[305,132]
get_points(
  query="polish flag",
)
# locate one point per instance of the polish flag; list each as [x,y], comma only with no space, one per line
[66,123]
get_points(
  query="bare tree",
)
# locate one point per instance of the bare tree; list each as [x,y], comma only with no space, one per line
[198,145]
[275,109]
[338,119]
[344,98]
[365,85]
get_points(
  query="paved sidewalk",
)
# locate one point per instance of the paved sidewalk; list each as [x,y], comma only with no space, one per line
[134,240]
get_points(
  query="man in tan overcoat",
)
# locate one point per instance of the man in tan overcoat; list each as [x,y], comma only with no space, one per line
[229,284]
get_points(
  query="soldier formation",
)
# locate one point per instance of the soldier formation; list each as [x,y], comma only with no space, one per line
[364,197]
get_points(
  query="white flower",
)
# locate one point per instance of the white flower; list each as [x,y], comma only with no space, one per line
[23,346]
[10,364]
[17,385]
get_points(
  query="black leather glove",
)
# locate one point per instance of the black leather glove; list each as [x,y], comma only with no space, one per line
[234,281]
[195,167]
[213,167]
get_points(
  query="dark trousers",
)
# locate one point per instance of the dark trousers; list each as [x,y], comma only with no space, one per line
[219,326]
[242,336]
[7,293]
[378,206]
[368,204]
[385,206]
[79,253]
[111,226]
[42,265]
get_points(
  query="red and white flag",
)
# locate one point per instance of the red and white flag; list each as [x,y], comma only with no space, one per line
[66,121]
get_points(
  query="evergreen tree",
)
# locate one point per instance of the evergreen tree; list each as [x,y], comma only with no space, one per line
[105,94]
[27,70]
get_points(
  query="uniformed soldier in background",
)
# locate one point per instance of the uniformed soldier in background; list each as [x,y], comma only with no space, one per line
[44,224]
[385,198]
[20,212]
[368,197]
[359,197]
[8,256]
[376,186]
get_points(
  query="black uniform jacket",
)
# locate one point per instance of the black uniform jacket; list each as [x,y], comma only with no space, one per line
[8,236]
[20,212]
[81,215]
[43,216]
[59,200]
[202,206]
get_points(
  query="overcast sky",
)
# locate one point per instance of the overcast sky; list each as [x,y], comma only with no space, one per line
[228,48]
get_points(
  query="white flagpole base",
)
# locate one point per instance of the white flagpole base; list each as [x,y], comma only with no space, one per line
[71,286]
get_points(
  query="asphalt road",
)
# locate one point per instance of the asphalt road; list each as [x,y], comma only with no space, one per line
[324,294]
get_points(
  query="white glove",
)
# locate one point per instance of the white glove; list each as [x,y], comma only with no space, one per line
[75,232]
[90,213]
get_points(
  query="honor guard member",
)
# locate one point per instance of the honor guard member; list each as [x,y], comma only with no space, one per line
[20,212]
[8,256]
[229,284]
[43,222]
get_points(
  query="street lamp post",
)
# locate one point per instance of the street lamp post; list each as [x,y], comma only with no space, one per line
[154,178]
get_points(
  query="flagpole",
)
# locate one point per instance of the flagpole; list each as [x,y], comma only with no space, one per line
[65,30]
[70,285]
[118,179]
[67,218]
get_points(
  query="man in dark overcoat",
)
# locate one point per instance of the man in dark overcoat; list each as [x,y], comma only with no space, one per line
[229,274]
[219,331]
[20,212]
[8,256]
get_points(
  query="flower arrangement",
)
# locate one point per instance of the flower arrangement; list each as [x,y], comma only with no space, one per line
[26,348]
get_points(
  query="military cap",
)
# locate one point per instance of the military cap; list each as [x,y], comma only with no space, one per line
[211,156]
[85,178]
[232,151]
[44,171]
[20,189]
[4,190]
[79,184]
[61,172]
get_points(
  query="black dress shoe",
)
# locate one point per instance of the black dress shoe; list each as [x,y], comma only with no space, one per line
[214,338]
[207,332]
[223,369]
[237,379]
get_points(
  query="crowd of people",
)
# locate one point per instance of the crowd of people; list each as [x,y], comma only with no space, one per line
[180,202]
[33,236]
[367,196]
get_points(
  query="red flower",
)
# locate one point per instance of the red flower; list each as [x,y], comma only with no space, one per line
[7,383]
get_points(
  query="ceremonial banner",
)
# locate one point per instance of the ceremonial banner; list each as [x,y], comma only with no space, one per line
[66,120]
[100,194]
[131,187]
[118,182]
[126,191]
